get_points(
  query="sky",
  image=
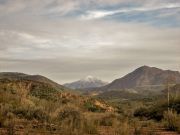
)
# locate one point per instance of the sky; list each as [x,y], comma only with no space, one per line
[67,40]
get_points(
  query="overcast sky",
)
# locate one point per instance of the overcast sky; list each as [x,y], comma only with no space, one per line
[66,40]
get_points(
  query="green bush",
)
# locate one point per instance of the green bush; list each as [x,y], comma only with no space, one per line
[92,108]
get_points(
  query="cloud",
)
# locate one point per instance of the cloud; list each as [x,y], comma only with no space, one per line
[101,14]
[47,37]
[105,49]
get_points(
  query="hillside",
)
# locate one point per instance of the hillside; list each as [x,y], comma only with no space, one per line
[32,105]
[34,85]
[143,76]
[175,89]
[85,83]
[35,78]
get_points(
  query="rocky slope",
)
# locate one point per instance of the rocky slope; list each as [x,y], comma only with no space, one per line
[143,76]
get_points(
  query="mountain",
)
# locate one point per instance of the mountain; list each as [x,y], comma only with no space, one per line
[87,82]
[34,85]
[38,78]
[142,77]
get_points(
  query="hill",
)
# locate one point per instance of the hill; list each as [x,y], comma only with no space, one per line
[37,105]
[141,77]
[14,76]
[34,85]
[86,83]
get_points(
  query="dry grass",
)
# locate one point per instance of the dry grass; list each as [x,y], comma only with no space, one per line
[171,120]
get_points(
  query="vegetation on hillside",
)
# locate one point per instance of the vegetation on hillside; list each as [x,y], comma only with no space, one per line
[38,107]
[32,107]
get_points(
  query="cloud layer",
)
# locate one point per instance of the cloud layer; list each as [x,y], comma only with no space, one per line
[69,39]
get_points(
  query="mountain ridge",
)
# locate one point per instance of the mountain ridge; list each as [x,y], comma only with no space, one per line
[142,76]
[16,76]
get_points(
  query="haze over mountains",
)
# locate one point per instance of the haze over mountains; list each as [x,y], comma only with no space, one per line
[87,82]
[143,76]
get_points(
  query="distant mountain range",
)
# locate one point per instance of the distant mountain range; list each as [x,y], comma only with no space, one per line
[141,77]
[86,83]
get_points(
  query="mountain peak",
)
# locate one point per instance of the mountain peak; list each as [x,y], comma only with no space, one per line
[143,76]
[147,67]
[89,78]
[87,82]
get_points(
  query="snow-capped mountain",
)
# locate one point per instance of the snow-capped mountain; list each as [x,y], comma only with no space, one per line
[87,82]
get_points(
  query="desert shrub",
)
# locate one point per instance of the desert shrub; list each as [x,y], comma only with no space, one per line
[31,113]
[108,120]
[119,124]
[65,101]
[171,120]
[156,111]
[137,127]
[70,117]
[5,110]
[39,114]
[93,108]
[151,113]
[9,123]
[89,127]
[122,128]
[9,98]
[175,104]
[141,112]
[44,92]
[2,119]
[119,110]
[72,121]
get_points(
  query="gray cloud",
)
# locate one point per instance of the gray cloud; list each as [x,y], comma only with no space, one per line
[66,48]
